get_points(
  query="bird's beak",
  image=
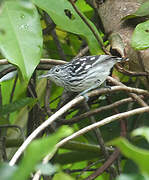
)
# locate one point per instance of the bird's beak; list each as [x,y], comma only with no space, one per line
[43,76]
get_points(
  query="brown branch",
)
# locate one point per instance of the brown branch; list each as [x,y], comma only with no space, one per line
[3,62]
[52,61]
[98,134]
[95,111]
[50,23]
[108,163]
[59,62]
[104,122]
[88,167]
[64,109]
[100,140]
[82,52]
[42,61]
[47,97]
[134,96]
[3,154]
[123,122]
[8,70]
[130,73]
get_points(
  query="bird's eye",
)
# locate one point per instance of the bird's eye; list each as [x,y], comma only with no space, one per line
[57,70]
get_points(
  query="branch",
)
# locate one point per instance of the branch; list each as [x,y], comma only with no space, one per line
[64,109]
[42,61]
[59,62]
[95,111]
[130,73]
[43,126]
[100,170]
[104,122]
[134,96]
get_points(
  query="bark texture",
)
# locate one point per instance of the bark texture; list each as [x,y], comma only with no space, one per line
[120,32]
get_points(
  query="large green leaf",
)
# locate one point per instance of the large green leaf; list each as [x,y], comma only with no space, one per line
[37,150]
[21,35]
[66,18]
[140,37]
[138,155]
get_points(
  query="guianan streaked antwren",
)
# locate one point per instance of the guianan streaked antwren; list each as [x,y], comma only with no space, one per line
[82,74]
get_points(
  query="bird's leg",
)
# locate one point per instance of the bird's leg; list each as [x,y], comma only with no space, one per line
[106,86]
[84,93]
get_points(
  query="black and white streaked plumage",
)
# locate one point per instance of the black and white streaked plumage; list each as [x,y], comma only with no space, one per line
[82,74]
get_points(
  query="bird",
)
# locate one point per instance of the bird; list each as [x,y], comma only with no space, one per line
[82,74]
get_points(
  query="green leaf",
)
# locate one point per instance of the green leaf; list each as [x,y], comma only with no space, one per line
[62,175]
[143,10]
[37,150]
[143,131]
[138,155]
[17,105]
[140,37]
[131,177]
[83,6]
[74,156]
[21,36]
[66,18]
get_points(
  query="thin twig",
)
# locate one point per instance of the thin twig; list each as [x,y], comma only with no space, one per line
[50,23]
[137,98]
[88,167]
[100,140]
[47,97]
[130,73]
[52,61]
[95,111]
[33,96]
[122,121]
[79,170]
[13,89]
[8,70]
[82,52]
[3,154]
[90,27]
[108,163]
[98,133]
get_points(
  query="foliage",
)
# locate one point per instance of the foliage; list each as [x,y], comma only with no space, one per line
[138,155]
[21,21]
[140,36]
[35,30]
